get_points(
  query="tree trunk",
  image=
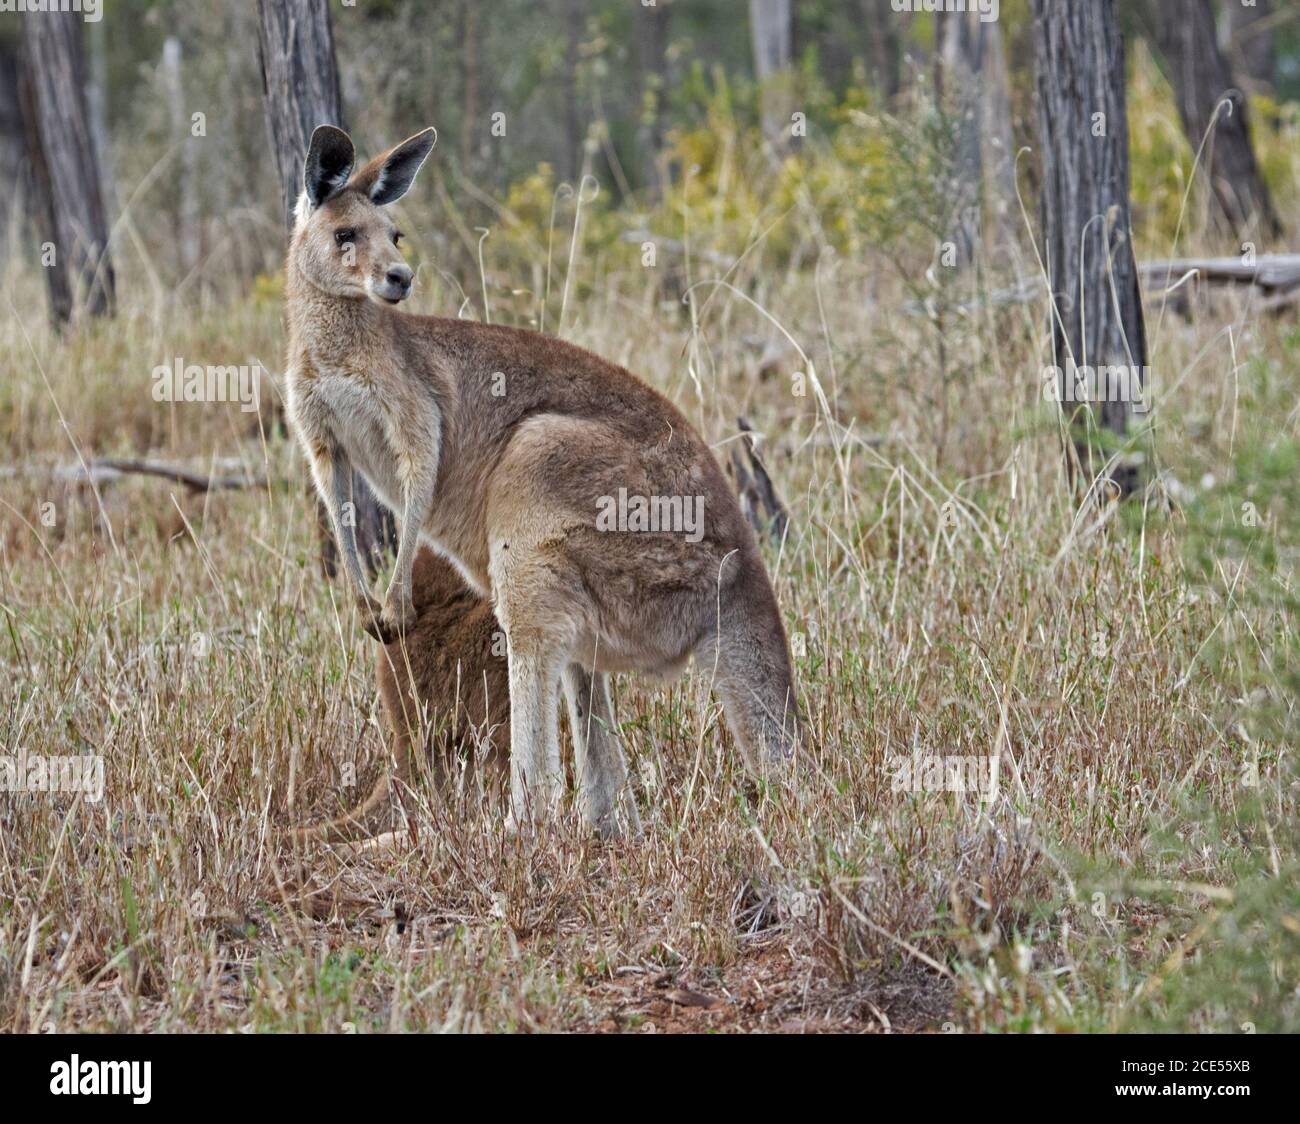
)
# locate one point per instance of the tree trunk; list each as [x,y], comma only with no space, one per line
[999,143]
[972,83]
[1096,317]
[770,29]
[1252,45]
[14,193]
[960,47]
[884,46]
[64,168]
[1201,80]
[97,101]
[187,215]
[469,84]
[652,37]
[573,17]
[301,83]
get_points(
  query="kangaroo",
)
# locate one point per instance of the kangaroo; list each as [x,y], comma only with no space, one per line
[503,449]
[448,668]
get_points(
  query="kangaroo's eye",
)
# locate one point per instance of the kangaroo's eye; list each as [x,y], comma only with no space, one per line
[344,236]
[397,237]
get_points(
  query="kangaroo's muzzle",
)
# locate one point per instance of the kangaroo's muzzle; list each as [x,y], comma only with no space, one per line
[396,285]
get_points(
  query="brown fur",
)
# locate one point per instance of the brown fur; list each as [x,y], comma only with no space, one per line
[498,446]
[444,691]
[450,673]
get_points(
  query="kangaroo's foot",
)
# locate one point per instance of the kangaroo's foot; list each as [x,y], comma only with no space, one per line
[386,622]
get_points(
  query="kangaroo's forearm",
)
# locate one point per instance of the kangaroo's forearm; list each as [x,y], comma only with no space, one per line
[416,502]
[333,475]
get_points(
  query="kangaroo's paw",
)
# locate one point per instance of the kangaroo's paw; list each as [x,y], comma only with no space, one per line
[398,616]
[375,620]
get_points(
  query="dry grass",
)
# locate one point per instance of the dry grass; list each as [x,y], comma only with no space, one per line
[945,593]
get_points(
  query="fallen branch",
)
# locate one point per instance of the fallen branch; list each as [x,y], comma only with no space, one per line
[108,469]
[1274,273]
[195,481]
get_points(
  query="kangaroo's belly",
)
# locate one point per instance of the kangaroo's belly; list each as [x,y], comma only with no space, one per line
[457,542]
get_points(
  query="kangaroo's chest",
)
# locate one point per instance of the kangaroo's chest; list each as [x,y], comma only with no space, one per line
[362,423]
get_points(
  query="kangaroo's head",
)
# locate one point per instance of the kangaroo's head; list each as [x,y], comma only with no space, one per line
[343,242]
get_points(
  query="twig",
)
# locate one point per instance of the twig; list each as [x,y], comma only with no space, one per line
[195,481]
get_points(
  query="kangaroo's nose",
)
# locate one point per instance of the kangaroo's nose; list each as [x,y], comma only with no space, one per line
[399,276]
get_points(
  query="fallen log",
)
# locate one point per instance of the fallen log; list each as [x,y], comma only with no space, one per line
[1276,276]
[1274,273]
[104,469]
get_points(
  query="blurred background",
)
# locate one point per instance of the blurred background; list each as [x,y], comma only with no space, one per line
[661,104]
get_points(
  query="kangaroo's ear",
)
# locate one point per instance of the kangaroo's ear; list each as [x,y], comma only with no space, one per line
[329,163]
[396,169]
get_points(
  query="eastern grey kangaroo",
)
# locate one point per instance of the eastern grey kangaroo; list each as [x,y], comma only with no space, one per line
[504,450]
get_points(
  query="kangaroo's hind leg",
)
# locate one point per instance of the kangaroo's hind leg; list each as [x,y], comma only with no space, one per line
[604,790]
[536,664]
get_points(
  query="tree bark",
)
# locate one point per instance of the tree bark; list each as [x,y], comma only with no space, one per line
[1096,318]
[301,83]
[1252,44]
[652,25]
[771,31]
[64,167]
[1201,78]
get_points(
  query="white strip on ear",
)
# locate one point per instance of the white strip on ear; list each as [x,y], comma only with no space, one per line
[302,208]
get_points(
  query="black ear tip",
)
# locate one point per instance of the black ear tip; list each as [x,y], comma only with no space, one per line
[423,141]
[329,135]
